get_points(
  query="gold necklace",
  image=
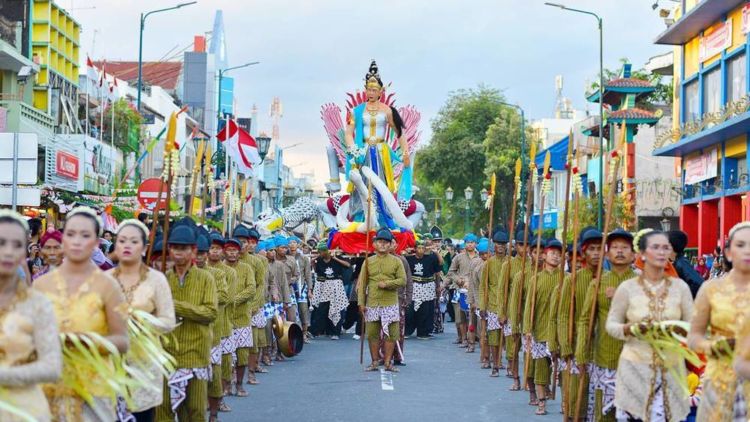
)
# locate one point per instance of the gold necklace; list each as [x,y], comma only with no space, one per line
[129,291]
[19,295]
[656,303]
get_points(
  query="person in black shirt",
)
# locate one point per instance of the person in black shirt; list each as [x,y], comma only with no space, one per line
[678,239]
[423,267]
[329,299]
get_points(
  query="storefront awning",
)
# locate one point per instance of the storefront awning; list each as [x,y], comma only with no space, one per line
[558,152]
[700,17]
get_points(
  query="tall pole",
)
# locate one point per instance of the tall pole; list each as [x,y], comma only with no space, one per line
[140,62]
[600,215]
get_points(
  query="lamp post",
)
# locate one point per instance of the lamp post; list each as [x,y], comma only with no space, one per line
[521,200]
[437,208]
[468,194]
[600,214]
[140,46]
[140,66]
[263,143]
[220,115]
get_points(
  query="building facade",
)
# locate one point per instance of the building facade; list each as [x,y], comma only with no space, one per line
[711,117]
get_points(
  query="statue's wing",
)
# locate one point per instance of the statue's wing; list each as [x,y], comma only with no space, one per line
[334,126]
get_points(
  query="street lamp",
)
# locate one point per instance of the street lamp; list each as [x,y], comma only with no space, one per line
[449,194]
[263,143]
[600,215]
[521,200]
[666,225]
[468,194]
[221,76]
[484,194]
[140,46]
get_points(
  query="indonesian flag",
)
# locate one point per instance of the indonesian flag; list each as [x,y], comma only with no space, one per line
[91,72]
[241,147]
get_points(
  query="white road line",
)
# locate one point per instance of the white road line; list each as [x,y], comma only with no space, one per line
[386,380]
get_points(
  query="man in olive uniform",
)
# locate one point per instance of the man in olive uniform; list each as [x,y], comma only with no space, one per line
[606,349]
[489,300]
[459,276]
[215,388]
[291,272]
[304,284]
[537,316]
[215,260]
[379,280]
[476,325]
[519,287]
[195,304]
[242,333]
[572,297]
[249,239]
[510,267]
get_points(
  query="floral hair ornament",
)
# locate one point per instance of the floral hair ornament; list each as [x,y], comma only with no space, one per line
[7,213]
[133,222]
[637,239]
[89,212]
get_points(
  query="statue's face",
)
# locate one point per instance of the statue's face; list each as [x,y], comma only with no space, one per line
[373,94]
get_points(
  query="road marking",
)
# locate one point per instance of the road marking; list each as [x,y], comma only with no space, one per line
[386,380]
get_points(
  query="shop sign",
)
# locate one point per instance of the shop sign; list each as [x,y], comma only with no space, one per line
[715,42]
[66,165]
[703,167]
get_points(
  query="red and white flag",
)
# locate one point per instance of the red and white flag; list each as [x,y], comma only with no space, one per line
[91,72]
[241,147]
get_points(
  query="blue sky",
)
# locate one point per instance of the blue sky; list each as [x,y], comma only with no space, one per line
[313,52]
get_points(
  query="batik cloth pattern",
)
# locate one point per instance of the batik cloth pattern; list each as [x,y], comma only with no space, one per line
[227,345]
[178,383]
[259,320]
[740,406]
[243,337]
[537,349]
[271,309]
[123,414]
[216,354]
[331,291]
[423,292]
[573,366]
[507,330]
[603,379]
[385,314]
[493,322]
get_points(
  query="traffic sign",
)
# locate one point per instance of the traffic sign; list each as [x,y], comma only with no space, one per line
[148,193]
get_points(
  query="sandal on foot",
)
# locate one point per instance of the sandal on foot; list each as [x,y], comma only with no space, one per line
[223,407]
[516,386]
[391,368]
[252,381]
[260,370]
[470,349]
[542,409]
[241,392]
[486,365]
[534,402]
[373,367]
[495,373]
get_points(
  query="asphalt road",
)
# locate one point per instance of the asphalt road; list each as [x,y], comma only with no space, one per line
[440,383]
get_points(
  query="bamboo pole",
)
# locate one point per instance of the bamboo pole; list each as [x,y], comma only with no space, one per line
[486,279]
[597,281]
[365,275]
[519,289]
[511,235]
[573,274]
[568,168]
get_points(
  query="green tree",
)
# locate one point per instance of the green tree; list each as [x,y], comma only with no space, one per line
[587,214]
[474,134]
[127,125]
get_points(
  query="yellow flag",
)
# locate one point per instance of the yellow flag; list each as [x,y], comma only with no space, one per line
[171,133]
[518,168]
[532,153]
[197,206]
[547,159]
[493,181]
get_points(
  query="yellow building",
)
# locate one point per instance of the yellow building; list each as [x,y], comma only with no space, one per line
[55,47]
[711,117]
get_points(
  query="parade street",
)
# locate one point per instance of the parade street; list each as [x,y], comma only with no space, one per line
[327,383]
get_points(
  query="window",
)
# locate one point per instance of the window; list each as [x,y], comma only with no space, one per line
[712,91]
[736,74]
[691,101]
